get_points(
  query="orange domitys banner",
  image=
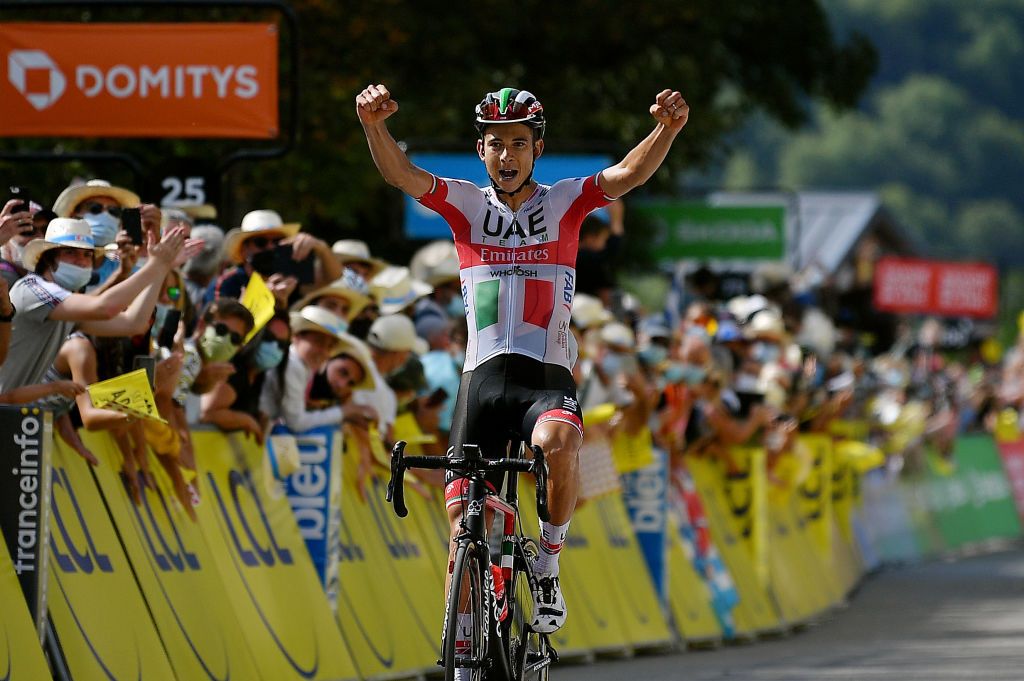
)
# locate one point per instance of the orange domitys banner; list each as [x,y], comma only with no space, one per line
[139,80]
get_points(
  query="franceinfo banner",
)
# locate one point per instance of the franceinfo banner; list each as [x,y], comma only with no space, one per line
[25,499]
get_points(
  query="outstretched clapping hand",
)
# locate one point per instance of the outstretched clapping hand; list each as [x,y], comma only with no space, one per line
[670,109]
[374,104]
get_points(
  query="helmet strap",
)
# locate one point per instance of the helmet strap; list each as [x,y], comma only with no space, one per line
[529,178]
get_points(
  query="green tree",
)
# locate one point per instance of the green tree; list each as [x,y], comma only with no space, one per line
[596,65]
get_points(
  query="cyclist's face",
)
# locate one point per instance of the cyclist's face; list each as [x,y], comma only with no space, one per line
[508,152]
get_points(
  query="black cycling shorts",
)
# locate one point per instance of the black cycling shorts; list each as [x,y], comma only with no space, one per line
[502,400]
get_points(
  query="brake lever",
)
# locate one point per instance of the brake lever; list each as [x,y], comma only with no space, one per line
[540,473]
[396,485]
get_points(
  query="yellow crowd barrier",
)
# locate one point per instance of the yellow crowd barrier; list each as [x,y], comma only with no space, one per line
[144,591]
[20,655]
[689,596]
[390,601]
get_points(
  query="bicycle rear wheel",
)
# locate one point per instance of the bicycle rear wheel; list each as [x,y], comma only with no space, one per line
[464,644]
[528,650]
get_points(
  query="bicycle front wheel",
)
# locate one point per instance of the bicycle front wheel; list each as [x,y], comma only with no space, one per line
[528,651]
[464,645]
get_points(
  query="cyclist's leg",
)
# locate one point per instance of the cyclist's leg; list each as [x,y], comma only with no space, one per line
[557,428]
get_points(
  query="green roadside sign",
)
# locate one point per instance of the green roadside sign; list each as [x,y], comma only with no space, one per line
[693,230]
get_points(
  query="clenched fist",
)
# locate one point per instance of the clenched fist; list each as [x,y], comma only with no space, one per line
[374,104]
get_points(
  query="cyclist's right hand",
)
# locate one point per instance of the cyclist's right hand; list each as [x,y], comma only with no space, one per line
[374,104]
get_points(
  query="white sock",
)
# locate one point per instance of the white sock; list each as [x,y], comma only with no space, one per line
[463,644]
[552,538]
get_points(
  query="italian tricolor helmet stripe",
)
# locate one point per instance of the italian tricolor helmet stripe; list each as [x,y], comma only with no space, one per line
[503,102]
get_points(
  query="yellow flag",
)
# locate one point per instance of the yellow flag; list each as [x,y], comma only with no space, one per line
[128,393]
[260,301]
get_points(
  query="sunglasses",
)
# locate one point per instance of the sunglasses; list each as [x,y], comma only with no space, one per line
[222,330]
[173,293]
[97,208]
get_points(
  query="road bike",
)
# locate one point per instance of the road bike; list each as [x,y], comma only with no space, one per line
[486,631]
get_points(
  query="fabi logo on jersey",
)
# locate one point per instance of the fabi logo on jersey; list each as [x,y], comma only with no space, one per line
[137,80]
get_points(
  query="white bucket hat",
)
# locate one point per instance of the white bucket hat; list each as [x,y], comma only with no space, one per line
[588,311]
[396,333]
[60,233]
[436,263]
[65,204]
[395,289]
[313,318]
[618,335]
[765,324]
[354,250]
[265,223]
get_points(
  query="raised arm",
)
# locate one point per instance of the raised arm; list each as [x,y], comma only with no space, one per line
[107,305]
[671,112]
[373,106]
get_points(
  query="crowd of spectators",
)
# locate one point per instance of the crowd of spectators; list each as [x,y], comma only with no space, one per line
[356,342]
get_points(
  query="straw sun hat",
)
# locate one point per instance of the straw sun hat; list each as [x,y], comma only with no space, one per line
[60,233]
[264,223]
[65,204]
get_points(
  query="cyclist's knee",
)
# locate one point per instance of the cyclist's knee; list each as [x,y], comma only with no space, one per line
[560,442]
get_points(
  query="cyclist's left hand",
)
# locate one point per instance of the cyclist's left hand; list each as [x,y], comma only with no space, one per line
[670,109]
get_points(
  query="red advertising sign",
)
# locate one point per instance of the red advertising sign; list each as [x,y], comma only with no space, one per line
[948,289]
[138,80]
[1013,461]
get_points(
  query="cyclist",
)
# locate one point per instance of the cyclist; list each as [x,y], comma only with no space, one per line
[517,242]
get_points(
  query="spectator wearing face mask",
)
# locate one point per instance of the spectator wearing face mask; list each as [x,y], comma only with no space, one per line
[47,306]
[437,265]
[234,404]
[100,204]
[317,335]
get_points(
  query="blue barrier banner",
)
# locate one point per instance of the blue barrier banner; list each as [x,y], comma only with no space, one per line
[645,493]
[314,493]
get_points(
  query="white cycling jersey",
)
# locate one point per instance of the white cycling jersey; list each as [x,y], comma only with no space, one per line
[518,268]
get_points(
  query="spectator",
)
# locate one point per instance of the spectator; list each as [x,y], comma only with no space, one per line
[47,307]
[395,290]
[600,241]
[201,269]
[234,404]
[437,265]
[16,230]
[317,335]
[263,230]
[100,204]
[391,339]
[354,255]
[342,297]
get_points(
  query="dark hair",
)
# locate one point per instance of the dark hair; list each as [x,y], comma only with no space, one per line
[593,226]
[47,260]
[228,307]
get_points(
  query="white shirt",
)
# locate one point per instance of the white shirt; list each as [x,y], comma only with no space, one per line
[289,406]
[382,398]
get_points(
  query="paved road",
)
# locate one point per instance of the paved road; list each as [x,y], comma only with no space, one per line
[945,621]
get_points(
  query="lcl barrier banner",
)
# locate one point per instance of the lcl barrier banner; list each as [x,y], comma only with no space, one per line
[264,568]
[101,619]
[180,80]
[25,500]
[175,571]
[20,657]
[314,493]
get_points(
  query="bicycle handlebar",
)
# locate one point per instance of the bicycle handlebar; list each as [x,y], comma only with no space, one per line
[470,462]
